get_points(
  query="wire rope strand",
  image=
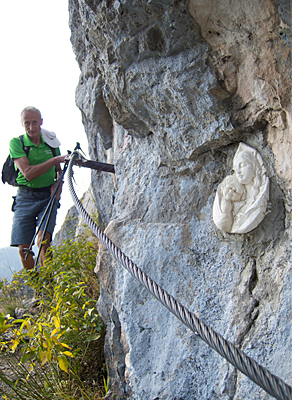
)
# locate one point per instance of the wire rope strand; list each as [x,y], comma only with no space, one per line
[249,367]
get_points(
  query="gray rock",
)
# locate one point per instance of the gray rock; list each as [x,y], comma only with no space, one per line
[68,228]
[167,90]
[74,225]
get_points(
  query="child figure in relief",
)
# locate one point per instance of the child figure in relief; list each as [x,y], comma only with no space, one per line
[230,195]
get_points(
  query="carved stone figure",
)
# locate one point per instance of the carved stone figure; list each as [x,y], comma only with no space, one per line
[242,198]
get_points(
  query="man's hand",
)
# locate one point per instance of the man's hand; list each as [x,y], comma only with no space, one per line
[67,158]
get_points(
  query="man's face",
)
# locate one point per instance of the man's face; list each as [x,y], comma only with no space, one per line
[32,122]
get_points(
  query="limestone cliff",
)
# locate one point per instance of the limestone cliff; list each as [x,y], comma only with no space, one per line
[167,90]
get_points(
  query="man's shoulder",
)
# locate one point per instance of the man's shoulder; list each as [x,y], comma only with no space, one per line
[16,147]
[15,142]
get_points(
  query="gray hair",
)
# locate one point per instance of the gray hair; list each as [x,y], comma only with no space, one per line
[29,108]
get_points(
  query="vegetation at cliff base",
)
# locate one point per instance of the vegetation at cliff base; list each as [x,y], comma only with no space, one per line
[54,350]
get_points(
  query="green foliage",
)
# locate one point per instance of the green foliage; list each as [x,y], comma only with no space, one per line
[54,345]
[4,325]
[10,294]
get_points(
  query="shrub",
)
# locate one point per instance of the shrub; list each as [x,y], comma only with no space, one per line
[61,347]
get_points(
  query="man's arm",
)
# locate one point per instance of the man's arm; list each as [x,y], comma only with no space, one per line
[34,171]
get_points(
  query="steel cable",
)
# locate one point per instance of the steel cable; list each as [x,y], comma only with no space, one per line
[258,374]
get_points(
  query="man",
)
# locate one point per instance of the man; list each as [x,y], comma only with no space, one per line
[37,180]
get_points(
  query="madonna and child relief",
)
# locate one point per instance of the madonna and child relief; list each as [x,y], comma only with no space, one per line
[242,198]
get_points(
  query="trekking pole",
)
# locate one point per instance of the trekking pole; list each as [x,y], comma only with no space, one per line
[49,214]
[48,210]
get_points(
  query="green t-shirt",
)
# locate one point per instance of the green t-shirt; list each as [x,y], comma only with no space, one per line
[37,155]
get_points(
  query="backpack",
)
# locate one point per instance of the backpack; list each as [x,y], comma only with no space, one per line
[9,173]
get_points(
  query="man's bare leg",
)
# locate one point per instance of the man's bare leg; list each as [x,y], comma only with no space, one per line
[29,262]
[45,245]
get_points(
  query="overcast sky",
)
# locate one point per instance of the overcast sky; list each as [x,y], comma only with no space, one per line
[38,68]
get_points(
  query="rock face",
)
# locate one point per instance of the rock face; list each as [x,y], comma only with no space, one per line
[73,225]
[167,91]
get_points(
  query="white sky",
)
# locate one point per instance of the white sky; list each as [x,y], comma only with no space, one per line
[38,68]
